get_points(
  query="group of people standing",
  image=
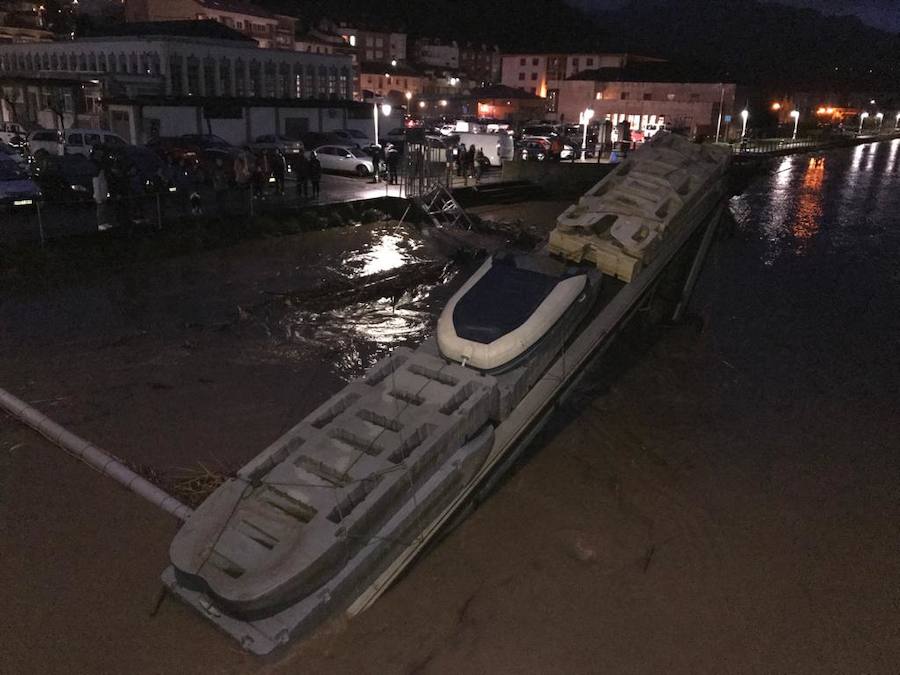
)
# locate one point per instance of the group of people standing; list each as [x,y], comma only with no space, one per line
[469,162]
[255,170]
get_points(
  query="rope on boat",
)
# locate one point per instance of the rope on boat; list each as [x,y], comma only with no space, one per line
[99,459]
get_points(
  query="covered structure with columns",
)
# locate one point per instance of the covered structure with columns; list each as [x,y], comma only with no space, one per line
[181,59]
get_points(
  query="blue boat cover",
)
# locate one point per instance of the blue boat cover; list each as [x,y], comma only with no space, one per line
[501,301]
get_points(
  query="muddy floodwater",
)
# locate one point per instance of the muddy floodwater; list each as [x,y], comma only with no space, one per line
[719,496]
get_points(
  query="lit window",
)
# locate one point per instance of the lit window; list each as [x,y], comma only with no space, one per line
[352,40]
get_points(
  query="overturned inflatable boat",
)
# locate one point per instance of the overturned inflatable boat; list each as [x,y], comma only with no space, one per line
[341,502]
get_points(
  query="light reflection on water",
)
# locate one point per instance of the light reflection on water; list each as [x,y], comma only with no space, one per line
[389,249]
[809,208]
[836,194]
[352,338]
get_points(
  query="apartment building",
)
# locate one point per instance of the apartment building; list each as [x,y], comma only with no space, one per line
[437,53]
[642,94]
[379,79]
[370,44]
[480,62]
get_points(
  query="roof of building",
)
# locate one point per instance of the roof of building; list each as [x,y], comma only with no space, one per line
[221,103]
[651,71]
[400,70]
[191,29]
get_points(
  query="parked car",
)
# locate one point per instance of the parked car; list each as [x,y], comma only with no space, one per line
[66,178]
[12,133]
[345,159]
[535,149]
[315,139]
[81,141]
[545,131]
[16,188]
[354,137]
[272,142]
[45,142]
[395,136]
[14,153]
[197,152]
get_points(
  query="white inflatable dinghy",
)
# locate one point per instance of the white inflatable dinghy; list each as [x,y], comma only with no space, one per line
[509,305]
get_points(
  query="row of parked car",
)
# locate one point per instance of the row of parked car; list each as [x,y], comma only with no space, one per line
[60,166]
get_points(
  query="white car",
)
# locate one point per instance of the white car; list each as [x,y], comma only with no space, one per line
[447,129]
[345,159]
[45,142]
[353,137]
[12,133]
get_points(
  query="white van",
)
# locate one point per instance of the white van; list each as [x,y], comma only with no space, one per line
[81,141]
[70,141]
[497,148]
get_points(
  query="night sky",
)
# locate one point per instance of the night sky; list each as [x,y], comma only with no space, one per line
[883,14]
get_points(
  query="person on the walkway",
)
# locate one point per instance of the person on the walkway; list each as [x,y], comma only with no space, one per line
[301,171]
[315,175]
[279,170]
[242,168]
[377,159]
[480,161]
[460,159]
[101,194]
[393,163]
[470,161]
[260,175]
[220,183]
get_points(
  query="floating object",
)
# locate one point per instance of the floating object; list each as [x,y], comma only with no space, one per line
[508,306]
[332,512]
[618,224]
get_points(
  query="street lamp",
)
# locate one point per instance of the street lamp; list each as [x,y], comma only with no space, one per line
[880,118]
[386,111]
[862,119]
[796,115]
[744,115]
[408,97]
[585,116]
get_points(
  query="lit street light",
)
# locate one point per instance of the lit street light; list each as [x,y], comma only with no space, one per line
[408,97]
[862,119]
[386,111]
[796,115]
[745,114]
[585,118]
